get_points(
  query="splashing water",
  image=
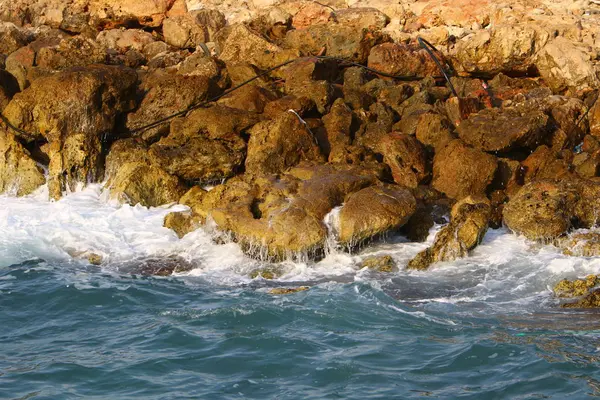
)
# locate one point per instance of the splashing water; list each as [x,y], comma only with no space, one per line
[484,326]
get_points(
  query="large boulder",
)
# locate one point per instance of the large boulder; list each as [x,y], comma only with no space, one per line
[278,144]
[166,94]
[468,225]
[406,158]
[565,65]
[460,171]
[541,210]
[277,217]
[19,173]
[73,111]
[116,13]
[504,129]
[374,211]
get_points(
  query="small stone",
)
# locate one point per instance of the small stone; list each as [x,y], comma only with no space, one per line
[381,263]
[278,291]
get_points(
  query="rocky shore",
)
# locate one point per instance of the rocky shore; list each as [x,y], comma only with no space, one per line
[156,98]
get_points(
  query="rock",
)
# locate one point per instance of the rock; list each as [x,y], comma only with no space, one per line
[184,222]
[189,30]
[587,165]
[201,64]
[343,41]
[434,131]
[248,98]
[374,211]
[198,158]
[166,94]
[505,129]
[272,23]
[282,217]
[566,66]
[362,17]
[460,171]
[217,122]
[11,38]
[468,225]
[578,287]
[20,64]
[338,125]
[301,105]
[402,60]
[591,300]
[406,158]
[279,144]
[115,13]
[71,52]
[379,263]
[237,43]
[505,48]
[19,173]
[8,88]
[544,163]
[148,185]
[73,111]
[580,244]
[280,291]
[123,40]
[541,210]
[594,119]
[270,272]
[159,266]
[312,13]
[465,13]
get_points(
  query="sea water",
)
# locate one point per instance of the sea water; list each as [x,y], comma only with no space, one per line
[484,327]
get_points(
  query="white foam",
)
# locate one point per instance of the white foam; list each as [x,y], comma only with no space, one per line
[505,269]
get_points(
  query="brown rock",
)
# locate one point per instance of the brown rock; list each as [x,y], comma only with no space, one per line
[123,40]
[591,300]
[71,110]
[166,94]
[279,144]
[11,38]
[544,163]
[505,48]
[312,13]
[468,225]
[362,17]
[280,291]
[237,44]
[145,184]
[406,158]
[565,65]
[8,88]
[197,158]
[115,13]
[402,60]
[460,171]
[338,125]
[19,173]
[379,263]
[541,210]
[580,244]
[189,30]
[248,98]
[374,211]
[501,130]
[71,52]
[434,130]
[344,41]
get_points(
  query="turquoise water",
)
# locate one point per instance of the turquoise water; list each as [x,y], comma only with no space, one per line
[481,328]
[70,332]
